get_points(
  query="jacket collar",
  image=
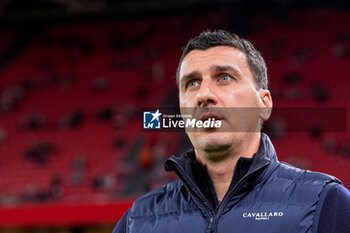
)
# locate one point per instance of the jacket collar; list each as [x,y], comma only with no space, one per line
[252,171]
[266,153]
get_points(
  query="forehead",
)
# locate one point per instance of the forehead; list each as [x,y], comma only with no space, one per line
[200,60]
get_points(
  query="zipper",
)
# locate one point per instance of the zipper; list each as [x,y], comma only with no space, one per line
[239,185]
[213,216]
[220,207]
[181,174]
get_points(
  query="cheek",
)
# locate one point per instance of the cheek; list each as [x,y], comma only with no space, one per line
[244,98]
[186,101]
[193,138]
[186,106]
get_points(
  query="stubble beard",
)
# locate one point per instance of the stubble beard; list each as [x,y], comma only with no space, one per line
[215,147]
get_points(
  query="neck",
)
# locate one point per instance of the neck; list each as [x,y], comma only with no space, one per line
[221,171]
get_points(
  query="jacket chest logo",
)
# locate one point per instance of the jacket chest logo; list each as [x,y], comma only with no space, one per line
[262,215]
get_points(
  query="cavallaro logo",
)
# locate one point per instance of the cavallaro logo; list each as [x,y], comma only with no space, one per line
[262,215]
[152,120]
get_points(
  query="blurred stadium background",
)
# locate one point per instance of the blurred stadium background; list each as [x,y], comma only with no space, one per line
[75,75]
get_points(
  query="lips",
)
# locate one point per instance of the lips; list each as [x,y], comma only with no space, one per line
[207,116]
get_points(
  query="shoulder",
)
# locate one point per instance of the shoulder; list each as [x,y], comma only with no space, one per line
[296,185]
[168,198]
[294,174]
[334,210]
[160,192]
[338,191]
[335,196]
[121,225]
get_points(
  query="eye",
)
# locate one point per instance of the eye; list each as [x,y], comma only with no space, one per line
[224,78]
[192,83]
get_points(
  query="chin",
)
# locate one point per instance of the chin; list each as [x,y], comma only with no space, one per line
[212,142]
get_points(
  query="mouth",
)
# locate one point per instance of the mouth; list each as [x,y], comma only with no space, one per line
[208,116]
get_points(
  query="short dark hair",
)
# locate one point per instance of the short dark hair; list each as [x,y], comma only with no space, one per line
[209,39]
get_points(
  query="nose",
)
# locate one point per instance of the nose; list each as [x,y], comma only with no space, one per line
[205,95]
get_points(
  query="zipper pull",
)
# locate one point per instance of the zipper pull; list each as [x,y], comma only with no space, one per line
[217,207]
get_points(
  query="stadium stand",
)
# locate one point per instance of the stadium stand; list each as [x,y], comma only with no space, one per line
[71,103]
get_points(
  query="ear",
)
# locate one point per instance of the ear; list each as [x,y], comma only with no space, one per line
[266,104]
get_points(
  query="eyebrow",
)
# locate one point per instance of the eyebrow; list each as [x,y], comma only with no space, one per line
[213,69]
[189,76]
[230,69]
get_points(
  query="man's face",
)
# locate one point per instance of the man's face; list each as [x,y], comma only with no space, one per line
[219,78]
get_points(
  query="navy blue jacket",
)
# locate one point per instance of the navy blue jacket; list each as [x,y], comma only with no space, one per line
[265,195]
